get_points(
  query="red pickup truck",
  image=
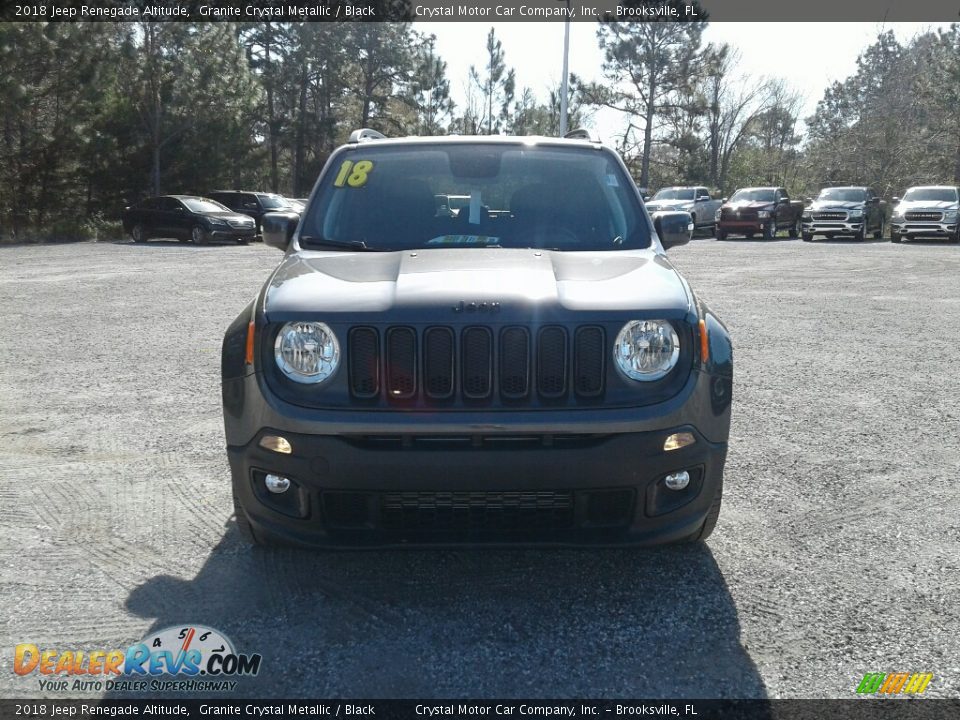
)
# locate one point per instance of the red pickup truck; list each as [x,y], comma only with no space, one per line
[759,211]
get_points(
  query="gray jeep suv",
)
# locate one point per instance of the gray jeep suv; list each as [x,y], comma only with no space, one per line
[530,369]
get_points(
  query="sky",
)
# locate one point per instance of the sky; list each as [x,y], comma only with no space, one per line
[809,56]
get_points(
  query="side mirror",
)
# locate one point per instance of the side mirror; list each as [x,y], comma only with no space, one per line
[673,228]
[874,201]
[723,200]
[278,229]
[784,201]
[808,201]
[894,199]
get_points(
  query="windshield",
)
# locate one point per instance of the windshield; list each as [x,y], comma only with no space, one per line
[203,205]
[476,195]
[843,194]
[674,194]
[274,202]
[932,194]
[754,195]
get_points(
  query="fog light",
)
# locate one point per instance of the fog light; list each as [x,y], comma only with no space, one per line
[674,481]
[277,444]
[678,440]
[279,484]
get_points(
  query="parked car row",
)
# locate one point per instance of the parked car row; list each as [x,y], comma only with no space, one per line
[222,215]
[929,211]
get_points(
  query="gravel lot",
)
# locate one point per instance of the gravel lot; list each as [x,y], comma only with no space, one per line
[837,551]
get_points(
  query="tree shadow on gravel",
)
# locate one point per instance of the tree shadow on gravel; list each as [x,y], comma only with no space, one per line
[486,623]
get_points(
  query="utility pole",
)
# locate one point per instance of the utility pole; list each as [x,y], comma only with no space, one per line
[566,72]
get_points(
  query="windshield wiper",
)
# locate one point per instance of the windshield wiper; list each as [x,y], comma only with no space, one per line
[322,242]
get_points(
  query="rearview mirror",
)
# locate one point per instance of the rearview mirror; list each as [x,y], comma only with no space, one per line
[278,229]
[673,228]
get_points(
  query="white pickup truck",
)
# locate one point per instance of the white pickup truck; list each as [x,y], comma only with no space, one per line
[694,200]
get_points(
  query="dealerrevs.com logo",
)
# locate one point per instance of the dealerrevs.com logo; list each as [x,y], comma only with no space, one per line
[894,683]
[184,659]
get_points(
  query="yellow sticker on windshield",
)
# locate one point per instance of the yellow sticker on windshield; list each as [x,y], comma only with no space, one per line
[353,175]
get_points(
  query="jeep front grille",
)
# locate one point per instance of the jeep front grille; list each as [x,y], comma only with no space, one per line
[923,216]
[476,365]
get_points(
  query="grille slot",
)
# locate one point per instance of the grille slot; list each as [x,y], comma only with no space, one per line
[477,363]
[401,363]
[924,216]
[514,363]
[438,363]
[589,361]
[552,362]
[364,362]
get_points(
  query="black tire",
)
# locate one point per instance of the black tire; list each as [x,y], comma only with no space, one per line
[862,235]
[244,526]
[720,235]
[878,233]
[770,230]
[894,238]
[808,237]
[956,238]
[198,235]
[713,514]
[138,234]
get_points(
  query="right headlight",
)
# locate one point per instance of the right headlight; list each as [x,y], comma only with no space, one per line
[646,349]
[307,352]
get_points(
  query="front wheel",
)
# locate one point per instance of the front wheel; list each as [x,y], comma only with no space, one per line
[894,237]
[720,235]
[878,233]
[137,233]
[808,237]
[198,235]
[796,230]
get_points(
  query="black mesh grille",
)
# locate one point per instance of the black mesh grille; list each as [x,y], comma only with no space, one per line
[401,363]
[588,358]
[438,352]
[534,510]
[364,362]
[552,362]
[829,215]
[514,363]
[477,363]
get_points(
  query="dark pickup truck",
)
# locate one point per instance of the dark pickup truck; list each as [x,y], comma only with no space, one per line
[850,211]
[759,211]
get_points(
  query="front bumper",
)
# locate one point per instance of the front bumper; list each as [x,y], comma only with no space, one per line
[923,229]
[576,477]
[556,490]
[742,227]
[832,227]
[229,233]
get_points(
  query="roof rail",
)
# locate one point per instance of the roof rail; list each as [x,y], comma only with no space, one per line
[364,134]
[581,134]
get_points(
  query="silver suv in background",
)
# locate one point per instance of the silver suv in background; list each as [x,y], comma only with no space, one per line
[926,211]
[694,200]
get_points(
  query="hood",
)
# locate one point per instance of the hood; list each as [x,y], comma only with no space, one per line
[836,205]
[228,216]
[657,205]
[435,282]
[906,205]
[751,204]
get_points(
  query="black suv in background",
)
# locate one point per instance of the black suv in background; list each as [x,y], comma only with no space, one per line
[186,217]
[253,204]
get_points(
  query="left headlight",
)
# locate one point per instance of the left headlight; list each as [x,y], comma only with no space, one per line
[646,349]
[307,352]
[217,222]
[856,213]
